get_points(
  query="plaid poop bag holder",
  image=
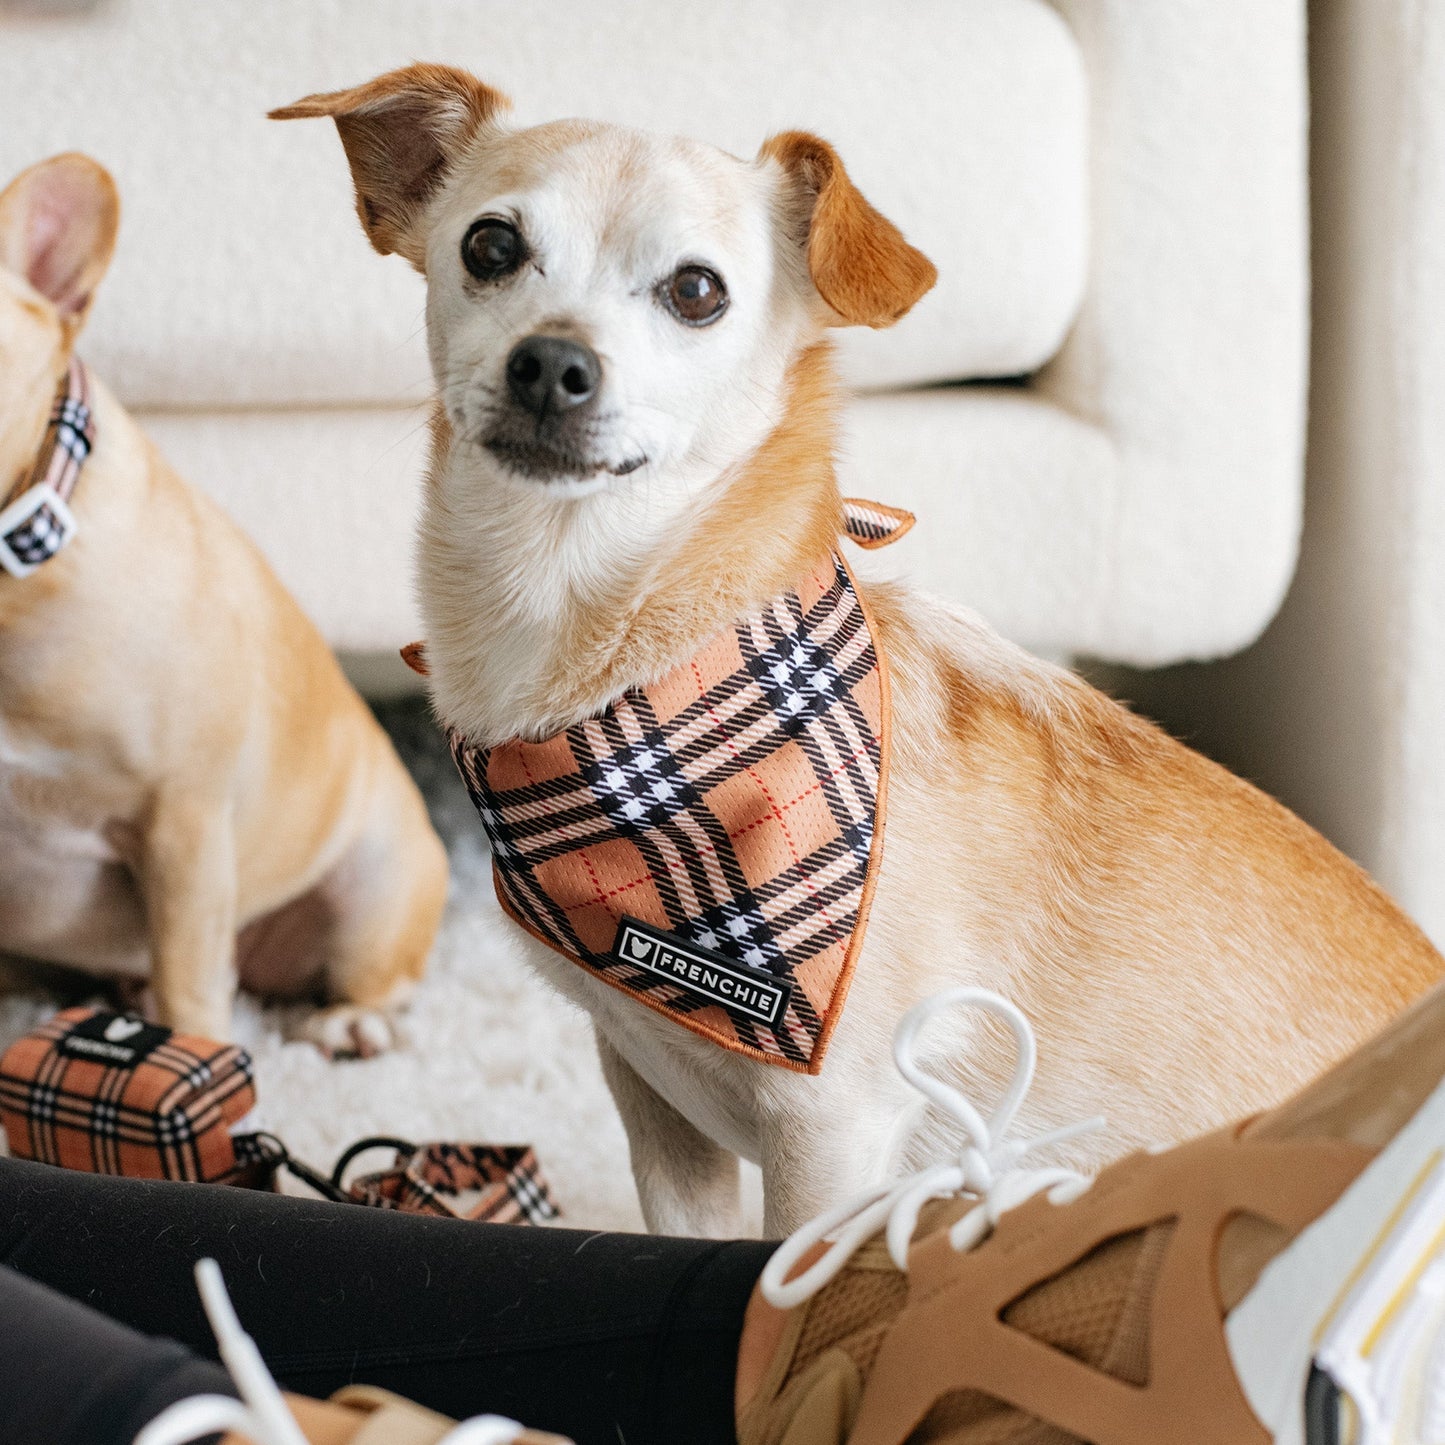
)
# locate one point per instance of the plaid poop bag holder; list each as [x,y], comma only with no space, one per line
[111,1094]
[708,845]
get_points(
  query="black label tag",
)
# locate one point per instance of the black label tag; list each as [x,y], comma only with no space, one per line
[738,987]
[115,1039]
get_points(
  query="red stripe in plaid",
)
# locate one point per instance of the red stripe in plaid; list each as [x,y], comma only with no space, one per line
[734,803]
[167,1117]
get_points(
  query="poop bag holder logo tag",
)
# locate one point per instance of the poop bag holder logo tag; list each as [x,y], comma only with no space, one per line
[113,1039]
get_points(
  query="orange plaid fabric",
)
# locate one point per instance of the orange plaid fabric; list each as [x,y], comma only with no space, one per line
[708,843]
[491,1183]
[77,1092]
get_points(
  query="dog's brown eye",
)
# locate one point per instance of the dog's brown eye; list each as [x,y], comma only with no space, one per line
[492,248]
[696,295]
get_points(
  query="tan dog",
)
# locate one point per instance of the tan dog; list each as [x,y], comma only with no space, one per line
[1188,949]
[181,761]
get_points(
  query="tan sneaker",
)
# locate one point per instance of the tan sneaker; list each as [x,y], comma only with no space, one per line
[1282,1280]
[387,1419]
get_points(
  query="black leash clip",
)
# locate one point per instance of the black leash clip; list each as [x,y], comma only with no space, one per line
[267,1150]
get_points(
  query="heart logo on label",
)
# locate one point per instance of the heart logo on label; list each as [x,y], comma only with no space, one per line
[639,947]
[119,1030]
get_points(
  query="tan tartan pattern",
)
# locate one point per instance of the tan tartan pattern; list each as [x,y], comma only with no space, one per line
[871,524]
[168,1117]
[732,804]
[69,437]
[491,1183]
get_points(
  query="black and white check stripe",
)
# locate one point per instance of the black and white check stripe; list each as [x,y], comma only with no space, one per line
[526,1185]
[38,538]
[39,532]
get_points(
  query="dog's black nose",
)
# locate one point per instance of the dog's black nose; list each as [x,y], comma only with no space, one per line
[550,374]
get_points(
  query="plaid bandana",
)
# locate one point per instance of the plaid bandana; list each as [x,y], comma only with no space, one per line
[35,520]
[708,844]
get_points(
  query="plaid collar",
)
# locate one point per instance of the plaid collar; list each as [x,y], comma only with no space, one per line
[709,843]
[35,517]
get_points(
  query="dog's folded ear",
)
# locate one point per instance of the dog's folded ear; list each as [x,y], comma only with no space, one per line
[401,133]
[58,224]
[860,263]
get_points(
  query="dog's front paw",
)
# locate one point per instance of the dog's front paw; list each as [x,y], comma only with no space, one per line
[347,1030]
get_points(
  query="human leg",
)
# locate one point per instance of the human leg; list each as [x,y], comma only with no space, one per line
[588,1335]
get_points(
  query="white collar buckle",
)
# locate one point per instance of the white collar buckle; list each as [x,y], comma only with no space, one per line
[33,528]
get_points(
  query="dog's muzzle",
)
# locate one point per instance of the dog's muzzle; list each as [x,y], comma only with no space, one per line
[550,376]
[550,429]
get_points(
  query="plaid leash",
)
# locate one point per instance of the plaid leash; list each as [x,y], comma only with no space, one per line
[35,518]
[490,1183]
[709,843]
[487,1183]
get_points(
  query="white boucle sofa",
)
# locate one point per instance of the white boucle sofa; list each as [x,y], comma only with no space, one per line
[1114,193]
[1340,709]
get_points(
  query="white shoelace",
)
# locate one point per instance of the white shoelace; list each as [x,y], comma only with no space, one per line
[261,1414]
[988,1166]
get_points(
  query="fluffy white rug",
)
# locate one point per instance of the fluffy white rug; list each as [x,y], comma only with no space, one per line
[489,1052]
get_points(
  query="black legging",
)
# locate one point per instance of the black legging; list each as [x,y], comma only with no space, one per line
[602,1337]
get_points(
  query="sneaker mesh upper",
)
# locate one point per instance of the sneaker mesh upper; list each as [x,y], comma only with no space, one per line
[1096,1310]
[854,1314]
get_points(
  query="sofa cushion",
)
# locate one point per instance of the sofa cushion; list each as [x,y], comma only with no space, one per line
[996,477]
[243,278]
